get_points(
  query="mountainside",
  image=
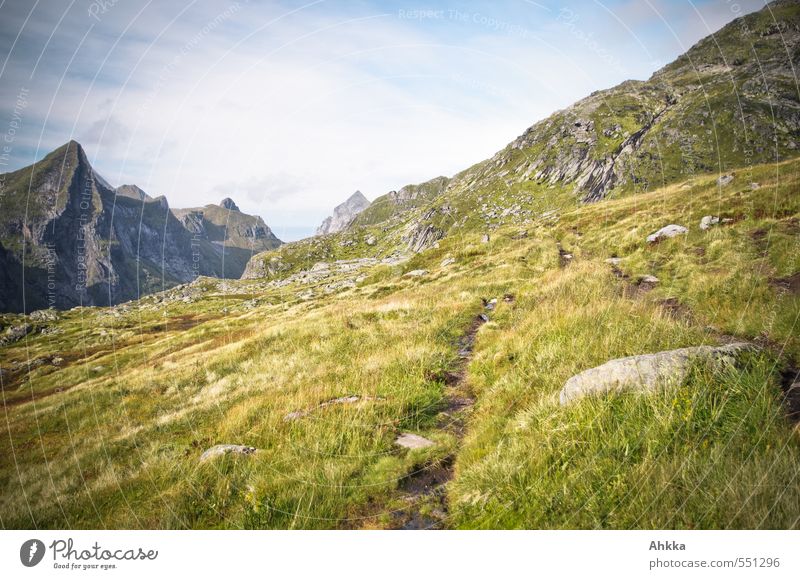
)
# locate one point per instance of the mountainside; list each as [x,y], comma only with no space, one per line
[67,238]
[730,102]
[343,214]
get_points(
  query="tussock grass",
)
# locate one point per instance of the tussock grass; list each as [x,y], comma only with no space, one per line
[113,436]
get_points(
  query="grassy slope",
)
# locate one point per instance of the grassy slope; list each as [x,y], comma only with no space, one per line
[145,391]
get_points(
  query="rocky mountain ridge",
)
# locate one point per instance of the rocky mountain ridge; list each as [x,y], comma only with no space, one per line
[67,238]
[730,101]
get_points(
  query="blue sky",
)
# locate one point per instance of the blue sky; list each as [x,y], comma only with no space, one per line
[289,107]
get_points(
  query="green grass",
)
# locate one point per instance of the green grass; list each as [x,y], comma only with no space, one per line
[112,437]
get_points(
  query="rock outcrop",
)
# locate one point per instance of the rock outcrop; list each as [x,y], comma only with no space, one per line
[667,232]
[228,203]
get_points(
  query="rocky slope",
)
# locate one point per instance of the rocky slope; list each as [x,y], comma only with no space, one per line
[344,214]
[67,238]
[730,102]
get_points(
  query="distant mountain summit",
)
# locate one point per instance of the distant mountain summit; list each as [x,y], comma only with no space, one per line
[68,238]
[344,214]
[228,203]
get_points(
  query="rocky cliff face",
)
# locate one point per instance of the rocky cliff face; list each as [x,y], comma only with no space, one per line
[344,214]
[67,238]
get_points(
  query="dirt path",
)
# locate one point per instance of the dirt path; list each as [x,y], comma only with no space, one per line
[425,490]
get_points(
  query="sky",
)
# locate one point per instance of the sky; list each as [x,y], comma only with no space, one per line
[289,107]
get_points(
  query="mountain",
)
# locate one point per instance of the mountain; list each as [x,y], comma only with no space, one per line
[68,238]
[226,237]
[343,214]
[730,102]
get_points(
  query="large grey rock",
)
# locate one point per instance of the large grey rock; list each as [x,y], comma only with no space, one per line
[221,449]
[647,372]
[666,232]
[343,214]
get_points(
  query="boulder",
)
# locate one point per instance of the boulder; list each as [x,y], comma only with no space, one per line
[708,221]
[15,333]
[647,372]
[221,449]
[417,273]
[447,261]
[724,180]
[666,232]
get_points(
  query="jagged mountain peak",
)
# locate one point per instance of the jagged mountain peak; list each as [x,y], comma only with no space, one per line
[344,214]
[357,197]
[130,244]
[228,203]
